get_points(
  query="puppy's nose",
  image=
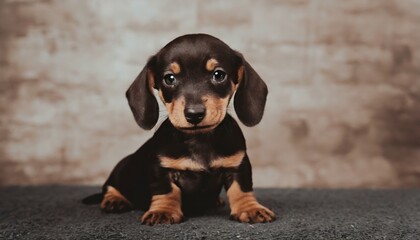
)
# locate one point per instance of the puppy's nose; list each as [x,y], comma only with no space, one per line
[194,113]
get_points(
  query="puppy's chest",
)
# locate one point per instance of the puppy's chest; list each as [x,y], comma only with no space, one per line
[202,161]
[201,183]
[198,168]
[201,154]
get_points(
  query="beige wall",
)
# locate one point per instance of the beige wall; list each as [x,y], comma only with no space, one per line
[344,80]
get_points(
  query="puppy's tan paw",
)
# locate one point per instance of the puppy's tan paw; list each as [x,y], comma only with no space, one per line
[155,217]
[256,214]
[165,208]
[245,207]
[115,202]
[115,206]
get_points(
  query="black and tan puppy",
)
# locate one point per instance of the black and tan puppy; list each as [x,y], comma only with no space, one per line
[199,148]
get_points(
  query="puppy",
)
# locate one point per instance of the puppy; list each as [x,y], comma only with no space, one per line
[199,148]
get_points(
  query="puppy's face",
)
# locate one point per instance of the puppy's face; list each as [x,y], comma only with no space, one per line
[196,83]
[196,76]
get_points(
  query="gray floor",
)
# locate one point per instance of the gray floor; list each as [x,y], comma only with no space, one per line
[54,212]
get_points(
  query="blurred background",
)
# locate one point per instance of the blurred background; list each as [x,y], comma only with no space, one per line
[344,86]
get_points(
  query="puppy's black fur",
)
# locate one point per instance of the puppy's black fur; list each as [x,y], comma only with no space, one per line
[199,148]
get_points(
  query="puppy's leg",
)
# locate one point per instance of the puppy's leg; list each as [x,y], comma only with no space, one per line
[243,204]
[245,207]
[114,201]
[164,208]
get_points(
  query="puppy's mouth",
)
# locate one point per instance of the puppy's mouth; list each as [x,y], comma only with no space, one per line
[196,127]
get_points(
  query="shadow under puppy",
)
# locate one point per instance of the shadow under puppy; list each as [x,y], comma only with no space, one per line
[199,148]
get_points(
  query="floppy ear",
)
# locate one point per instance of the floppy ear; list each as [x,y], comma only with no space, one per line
[140,97]
[250,95]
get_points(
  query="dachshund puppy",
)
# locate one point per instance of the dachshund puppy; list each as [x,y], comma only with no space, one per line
[199,148]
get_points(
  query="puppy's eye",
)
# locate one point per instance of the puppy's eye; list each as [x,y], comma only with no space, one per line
[169,80]
[219,76]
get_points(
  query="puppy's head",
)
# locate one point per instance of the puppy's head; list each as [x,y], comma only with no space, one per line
[196,76]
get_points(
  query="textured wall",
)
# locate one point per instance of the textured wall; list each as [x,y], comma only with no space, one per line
[344,80]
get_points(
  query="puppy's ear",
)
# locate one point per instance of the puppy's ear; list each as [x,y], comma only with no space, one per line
[251,94]
[140,97]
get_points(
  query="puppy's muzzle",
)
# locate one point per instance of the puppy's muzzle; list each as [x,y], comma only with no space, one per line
[194,113]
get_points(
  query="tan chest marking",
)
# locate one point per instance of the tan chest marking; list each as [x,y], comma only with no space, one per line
[182,164]
[228,162]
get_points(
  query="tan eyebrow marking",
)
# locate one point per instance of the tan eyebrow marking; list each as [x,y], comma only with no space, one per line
[175,68]
[211,64]
[232,161]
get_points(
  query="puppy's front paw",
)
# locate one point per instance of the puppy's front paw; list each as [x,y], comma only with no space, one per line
[165,208]
[254,214]
[155,217]
[245,207]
